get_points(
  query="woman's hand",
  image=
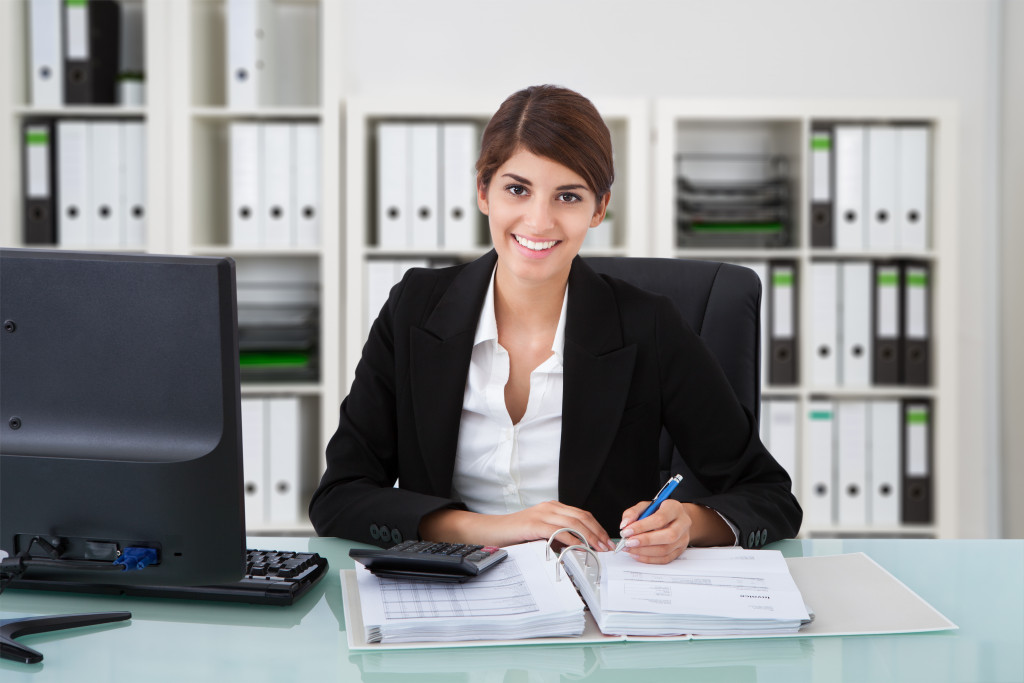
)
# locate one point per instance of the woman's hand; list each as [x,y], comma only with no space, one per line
[660,538]
[664,535]
[531,524]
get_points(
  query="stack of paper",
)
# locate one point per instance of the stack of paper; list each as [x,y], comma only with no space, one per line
[518,598]
[707,591]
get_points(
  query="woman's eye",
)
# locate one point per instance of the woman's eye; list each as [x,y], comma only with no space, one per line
[568,197]
[517,190]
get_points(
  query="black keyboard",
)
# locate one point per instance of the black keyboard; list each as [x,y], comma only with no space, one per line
[272,578]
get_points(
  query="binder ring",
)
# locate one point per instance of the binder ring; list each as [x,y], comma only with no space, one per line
[551,539]
[586,563]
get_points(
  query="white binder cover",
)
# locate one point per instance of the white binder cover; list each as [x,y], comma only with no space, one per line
[459,211]
[856,348]
[37,162]
[250,38]
[912,212]
[882,188]
[825,323]
[105,175]
[133,137]
[393,201]
[283,453]
[254,462]
[73,225]
[518,598]
[849,594]
[780,416]
[851,460]
[276,185]
[818,487]
[76,31]
[131,91]
[246,212]
[884,493]
[380,277]
[306,175]
[425,179]
[46,56]
[849,199]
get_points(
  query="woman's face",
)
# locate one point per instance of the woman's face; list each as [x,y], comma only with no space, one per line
[539,213]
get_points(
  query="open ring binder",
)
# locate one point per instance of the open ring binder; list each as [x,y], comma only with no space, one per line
[596,580]
[551,539]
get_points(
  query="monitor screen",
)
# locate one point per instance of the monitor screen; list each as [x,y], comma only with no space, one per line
[120,416]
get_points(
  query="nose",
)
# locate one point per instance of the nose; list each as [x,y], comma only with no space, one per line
[539,216]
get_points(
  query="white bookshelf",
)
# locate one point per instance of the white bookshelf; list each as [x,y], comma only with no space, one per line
[201,118]
[783,127]
[187,116]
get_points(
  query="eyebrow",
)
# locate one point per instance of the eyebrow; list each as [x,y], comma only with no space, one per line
[560,188]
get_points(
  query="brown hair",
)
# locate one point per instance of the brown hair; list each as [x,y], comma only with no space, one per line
[553,122]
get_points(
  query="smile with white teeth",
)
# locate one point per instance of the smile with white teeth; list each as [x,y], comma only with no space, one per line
[536,246]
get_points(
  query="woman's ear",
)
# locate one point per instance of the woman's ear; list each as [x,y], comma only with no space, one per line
[481,196]
[599,211]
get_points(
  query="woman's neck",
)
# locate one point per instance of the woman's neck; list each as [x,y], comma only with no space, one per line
[527,307]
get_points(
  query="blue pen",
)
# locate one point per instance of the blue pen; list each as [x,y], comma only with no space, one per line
[662,496]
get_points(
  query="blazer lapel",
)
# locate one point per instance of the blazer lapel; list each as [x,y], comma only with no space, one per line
[598,370]
[440,351]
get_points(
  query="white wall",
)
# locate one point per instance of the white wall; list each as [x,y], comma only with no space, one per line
[887,49]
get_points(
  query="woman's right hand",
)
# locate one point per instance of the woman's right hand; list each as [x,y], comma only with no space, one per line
[533,523]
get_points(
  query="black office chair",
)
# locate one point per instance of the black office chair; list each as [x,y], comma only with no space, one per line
[722,303]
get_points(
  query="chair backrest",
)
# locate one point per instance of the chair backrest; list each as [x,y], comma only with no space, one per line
[722,303]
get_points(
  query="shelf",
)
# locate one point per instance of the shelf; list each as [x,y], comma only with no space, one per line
[227,114]
[280,389]
[71,111]
[256,252]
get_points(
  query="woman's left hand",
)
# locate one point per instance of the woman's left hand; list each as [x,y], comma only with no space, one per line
[660,538]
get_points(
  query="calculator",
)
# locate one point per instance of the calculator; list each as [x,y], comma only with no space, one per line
[429,561]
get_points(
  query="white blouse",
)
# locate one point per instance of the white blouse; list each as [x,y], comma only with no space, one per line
[501,467]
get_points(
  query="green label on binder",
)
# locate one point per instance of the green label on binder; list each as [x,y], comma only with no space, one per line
[917,417]
[888,279]
[76,3]
[273,358]
[35,137]
[821,414]
[782,279]
[917,279]
[821,142]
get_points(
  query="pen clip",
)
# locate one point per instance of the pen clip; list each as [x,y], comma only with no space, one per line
[547,550]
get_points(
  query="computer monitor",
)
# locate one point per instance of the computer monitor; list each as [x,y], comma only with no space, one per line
[120,418]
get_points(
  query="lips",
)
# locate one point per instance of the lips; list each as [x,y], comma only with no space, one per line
[535,246]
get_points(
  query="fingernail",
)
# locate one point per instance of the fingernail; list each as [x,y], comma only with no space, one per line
[632,543]
[626,533]
[623,523]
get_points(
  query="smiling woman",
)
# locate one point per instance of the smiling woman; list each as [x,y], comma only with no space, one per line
[523,393]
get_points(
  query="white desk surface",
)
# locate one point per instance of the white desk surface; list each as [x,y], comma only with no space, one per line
[978,584]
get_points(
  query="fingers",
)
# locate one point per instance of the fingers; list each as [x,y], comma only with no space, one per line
[546,518]
[660,538]
[633,513]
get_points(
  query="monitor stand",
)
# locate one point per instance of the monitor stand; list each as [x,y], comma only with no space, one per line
[13,628]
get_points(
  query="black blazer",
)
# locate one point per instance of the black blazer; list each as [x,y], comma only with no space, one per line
[631,365]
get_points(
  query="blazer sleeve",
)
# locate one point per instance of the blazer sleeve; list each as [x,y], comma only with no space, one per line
[719,439]
[357,498]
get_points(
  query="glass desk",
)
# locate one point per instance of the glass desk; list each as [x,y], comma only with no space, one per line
[979,585]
